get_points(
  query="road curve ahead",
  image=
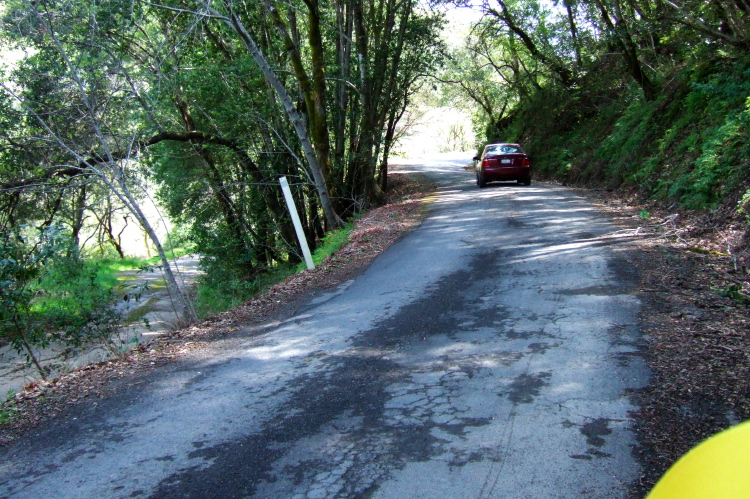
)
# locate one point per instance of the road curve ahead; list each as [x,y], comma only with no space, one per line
[490,353]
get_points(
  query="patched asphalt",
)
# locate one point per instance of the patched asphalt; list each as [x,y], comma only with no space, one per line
[492,352]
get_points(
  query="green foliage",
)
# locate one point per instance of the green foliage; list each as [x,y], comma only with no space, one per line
[735,293]
[645,96]
[220,289]
[48,294]
[689,146]
[743,206]
[112,101]
[330,244]
[107,270]
[5,417]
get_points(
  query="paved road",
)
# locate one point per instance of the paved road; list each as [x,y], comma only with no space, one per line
[489,353]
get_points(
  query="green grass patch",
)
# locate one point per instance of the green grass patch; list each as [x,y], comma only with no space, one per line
[219,293]
[10,413]
[330,244]
[108,269]
[5,417]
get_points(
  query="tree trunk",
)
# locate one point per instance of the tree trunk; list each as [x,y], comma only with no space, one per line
[319,124]
[341,101]
[297,120]
[184,308]
[26,346]
[629,52]
[113,240]
[79,206]
[393,119]
[573,31]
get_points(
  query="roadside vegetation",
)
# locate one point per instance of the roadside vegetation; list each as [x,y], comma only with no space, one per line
[52,294]
[360,242]
[108,269]
[49,294]
[643,96]
[220,291]
[687,147]
[109,109]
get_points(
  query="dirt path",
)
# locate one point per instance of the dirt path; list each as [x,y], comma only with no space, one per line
[148,317]
[153,314]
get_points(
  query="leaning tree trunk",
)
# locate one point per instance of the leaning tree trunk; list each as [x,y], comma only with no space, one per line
[79,207]
[119,187]
[184,307]
[29,352]
[295,117]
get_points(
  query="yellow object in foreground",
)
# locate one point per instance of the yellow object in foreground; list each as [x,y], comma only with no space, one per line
[718,468]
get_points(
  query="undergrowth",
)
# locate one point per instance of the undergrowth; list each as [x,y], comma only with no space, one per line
[689,147]
[330,244]
[108,269]
[221,290]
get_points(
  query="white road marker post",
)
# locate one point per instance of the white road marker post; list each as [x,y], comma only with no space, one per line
[296,221]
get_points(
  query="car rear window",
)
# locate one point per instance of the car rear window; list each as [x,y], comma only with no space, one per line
[503,149]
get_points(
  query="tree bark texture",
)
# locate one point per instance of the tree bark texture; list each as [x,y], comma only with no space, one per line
[295,117]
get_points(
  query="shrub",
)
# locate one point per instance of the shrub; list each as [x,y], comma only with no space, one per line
[48,294]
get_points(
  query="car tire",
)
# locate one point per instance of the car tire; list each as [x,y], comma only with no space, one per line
[526,181]
[481,182]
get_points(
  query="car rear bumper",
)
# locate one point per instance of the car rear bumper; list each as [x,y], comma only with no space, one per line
[506,173]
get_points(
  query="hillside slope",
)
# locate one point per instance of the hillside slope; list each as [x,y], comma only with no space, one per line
[689,147]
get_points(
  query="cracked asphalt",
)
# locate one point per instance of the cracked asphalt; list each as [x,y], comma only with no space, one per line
[492,352]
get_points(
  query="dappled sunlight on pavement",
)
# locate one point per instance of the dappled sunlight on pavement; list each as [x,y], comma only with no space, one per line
[489,353]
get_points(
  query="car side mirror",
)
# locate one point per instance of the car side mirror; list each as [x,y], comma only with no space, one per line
[476,158]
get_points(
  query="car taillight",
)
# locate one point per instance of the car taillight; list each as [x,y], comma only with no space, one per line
[526,162]
[486,162]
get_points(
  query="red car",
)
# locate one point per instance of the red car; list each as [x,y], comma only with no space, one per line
[503,162]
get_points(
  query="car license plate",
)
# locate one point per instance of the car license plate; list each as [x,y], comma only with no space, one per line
[505,161]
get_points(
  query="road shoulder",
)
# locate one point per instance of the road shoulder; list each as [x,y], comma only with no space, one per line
[695,326]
